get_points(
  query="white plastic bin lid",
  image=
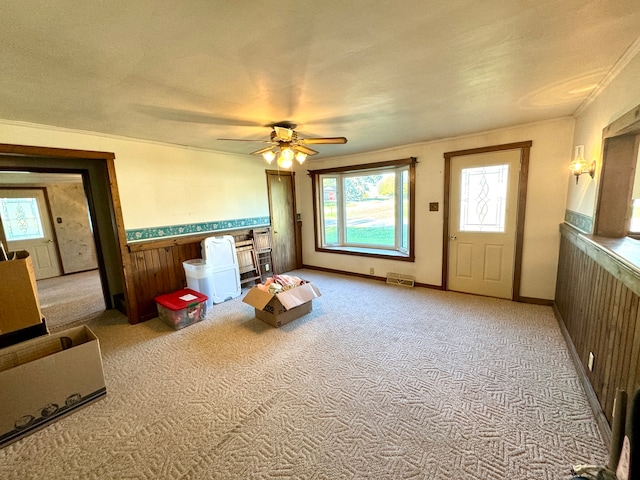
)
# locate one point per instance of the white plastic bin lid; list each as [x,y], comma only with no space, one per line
[220,251]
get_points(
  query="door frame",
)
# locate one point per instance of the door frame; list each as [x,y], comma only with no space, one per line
[297,226]
[524,148]
[98,175]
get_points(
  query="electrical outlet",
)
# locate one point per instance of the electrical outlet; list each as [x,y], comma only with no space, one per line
[266,267]
[371,271]
[591,360]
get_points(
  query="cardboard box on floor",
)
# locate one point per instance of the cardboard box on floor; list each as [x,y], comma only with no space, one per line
[46,378]
[19,303]
[284,307]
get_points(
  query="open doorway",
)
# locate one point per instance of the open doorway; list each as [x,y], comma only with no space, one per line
[47,214]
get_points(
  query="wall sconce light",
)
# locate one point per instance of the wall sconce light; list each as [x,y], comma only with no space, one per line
[579,165]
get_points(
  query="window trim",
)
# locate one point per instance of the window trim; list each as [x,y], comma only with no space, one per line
[366,251]
[621,141]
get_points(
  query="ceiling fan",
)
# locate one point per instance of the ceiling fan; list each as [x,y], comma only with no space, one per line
[286,144]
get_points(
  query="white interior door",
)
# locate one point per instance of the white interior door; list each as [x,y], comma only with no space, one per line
[27,226]
[482,222]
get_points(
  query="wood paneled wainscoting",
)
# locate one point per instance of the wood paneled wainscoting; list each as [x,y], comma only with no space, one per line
[155,267]
[597,298]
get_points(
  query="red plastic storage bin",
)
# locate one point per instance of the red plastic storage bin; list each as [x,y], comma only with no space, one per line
[181,308]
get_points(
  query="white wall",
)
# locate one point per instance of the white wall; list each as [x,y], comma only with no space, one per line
[168,185]
[617,98]
[546,199]
[161,184]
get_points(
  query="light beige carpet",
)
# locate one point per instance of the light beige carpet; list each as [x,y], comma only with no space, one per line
[378,382]
[71,298]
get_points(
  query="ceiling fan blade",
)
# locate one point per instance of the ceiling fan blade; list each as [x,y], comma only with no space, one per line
[192,116]
[261,151]
[303,149]
[326,140]
[284,134]
[243,140]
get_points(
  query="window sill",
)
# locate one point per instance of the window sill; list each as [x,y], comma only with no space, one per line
[625,249]
[368,252]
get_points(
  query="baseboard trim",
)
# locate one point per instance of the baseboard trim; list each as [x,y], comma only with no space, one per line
[342,272]
[536,301]
[362,275]
[532,300]
[601,419]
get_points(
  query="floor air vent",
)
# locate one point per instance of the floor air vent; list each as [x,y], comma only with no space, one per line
[399,279]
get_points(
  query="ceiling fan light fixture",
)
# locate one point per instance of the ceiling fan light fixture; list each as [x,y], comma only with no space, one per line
[285,161]
[301,157]
[286,144]
[287,154]
[269,156]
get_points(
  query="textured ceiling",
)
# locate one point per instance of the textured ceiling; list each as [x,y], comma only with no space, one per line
[381,73]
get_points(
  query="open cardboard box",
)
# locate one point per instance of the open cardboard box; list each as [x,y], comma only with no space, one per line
[46,378]
[280,309]
[20,315]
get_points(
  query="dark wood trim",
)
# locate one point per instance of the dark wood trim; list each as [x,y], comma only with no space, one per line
[525,148]
[17,152]
[339,251]
[97,238]
[314,200]
[522,208]
[615,188]
[536,301]
[31,151]
[412,209]
[298,243]
[411,162]
[365,166]
[363,275]
[343,272]
[445,224]
[520,218]
[629,123]
[492,148]
[428,285]
[620,144]
[121,233]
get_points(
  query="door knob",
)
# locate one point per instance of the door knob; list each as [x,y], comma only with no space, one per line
[453,237]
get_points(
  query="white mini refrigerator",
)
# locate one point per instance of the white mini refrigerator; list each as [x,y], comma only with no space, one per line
[220,255]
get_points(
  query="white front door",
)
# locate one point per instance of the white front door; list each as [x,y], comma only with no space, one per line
[482,222]
[27,226]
